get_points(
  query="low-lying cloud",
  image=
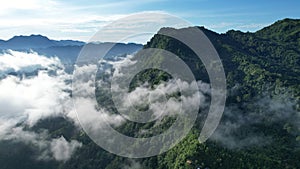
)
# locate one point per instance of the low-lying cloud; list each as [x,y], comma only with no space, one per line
[21,62]
[32,88]
[46,148]
[238,127]
[62,149]
[34,98]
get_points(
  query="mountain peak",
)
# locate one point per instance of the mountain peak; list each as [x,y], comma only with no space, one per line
[282,30]
[33,36]
[25,42]
[287,21]
[35,41]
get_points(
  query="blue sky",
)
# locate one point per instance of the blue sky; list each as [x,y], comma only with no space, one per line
[80,19]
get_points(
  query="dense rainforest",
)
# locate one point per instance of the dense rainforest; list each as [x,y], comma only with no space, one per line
[260,127]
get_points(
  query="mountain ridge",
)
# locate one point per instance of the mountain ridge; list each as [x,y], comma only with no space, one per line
[66,50]
[35,41]
[262,72]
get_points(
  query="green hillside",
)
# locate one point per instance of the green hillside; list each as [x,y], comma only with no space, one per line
[260,127]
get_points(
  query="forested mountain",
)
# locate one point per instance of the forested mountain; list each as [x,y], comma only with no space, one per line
[260,127]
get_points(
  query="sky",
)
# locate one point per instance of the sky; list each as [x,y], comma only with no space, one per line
[81,19]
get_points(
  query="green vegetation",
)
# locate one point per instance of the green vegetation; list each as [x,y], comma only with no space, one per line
[260,65]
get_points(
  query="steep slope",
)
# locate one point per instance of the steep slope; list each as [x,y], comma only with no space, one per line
[260,127]
[260,67]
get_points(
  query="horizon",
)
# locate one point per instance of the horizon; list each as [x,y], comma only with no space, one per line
[80,20]
[149,84]
[128,42]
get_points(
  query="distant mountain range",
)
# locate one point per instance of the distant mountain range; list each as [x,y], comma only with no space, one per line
[260,125]
[35,41]
[66,50]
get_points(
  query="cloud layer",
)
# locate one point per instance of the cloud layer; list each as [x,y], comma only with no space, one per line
[39,90]
[34,87]
[238,128]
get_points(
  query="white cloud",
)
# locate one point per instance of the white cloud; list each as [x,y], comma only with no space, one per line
[238,128]
[28,97]
[58,149]
[133,165]
[157,99]
[62,150]
[253,26]
[85,102]
[24,5]
[35,16]
[13,61]
[34,97]
[76,21]
[129,28]
[221,25]
[155,102]
[118,65]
